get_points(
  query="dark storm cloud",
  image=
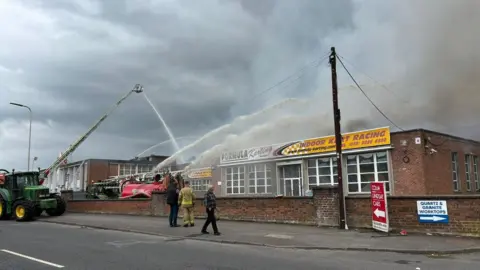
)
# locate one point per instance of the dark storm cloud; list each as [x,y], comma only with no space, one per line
[199,62]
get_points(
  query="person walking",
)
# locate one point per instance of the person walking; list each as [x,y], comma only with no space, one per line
[172,201]
[210,202]
[186,199]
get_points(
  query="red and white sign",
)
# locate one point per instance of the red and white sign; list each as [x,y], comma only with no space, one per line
[379,206]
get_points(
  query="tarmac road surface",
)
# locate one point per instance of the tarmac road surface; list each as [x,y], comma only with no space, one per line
[39,246]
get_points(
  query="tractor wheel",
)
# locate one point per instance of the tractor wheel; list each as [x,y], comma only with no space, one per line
[61,207]
[3,209]
[38,211]
[24,210]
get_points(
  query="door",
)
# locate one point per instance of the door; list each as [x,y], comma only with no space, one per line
[291,176]
[293,187]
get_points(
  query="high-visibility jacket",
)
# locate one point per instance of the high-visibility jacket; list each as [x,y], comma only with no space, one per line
[186,196]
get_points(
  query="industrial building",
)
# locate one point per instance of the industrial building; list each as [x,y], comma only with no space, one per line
[78,175]
[413,162]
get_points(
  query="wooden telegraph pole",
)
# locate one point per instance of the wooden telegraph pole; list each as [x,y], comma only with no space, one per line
[338,137]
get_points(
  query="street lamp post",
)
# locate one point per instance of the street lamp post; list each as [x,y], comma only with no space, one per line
[29,131]
[33,162]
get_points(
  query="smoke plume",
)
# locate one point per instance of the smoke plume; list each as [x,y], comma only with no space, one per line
[442,41]
[429,50]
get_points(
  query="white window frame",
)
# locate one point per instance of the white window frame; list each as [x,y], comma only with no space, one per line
[122,169]
[144,168]
[468,172]
[455,176]
[359,173]
[128,169]
[199,184]
[235,171]
[475,173]
[317,173]
[267,179]
[281,180]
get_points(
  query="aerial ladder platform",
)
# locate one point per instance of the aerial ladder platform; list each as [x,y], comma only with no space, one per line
[51,174]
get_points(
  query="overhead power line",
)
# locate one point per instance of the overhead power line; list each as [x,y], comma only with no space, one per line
[315,63]
[371,78]
[365,94]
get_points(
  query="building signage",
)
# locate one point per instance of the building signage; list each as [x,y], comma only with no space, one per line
[379,206]
[234,156]
[354,140]
[432,211]
[200,173]
[259,152]
[254,153]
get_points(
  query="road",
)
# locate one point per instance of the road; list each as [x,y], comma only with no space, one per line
[39,246]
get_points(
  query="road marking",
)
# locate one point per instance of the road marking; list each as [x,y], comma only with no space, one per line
[280,236]
[32,259]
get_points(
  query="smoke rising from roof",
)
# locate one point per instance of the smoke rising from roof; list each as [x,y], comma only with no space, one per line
[430,53]
[442,43]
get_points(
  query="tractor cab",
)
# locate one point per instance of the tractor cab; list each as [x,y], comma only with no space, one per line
[22,195]
[24,184]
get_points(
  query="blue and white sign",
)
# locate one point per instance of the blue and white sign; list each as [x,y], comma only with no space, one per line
[432,211]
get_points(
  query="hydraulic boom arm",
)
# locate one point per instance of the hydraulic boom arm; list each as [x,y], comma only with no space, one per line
[137,89]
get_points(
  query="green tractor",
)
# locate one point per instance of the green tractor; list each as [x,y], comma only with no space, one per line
[23,196]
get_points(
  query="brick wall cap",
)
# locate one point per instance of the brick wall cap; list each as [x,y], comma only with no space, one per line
[435,197]
[261,198]
[113,200]
[325,187]
[418,197]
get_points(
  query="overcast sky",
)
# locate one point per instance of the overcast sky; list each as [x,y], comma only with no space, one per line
[202,63]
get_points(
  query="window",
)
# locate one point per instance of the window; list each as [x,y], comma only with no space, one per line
[468,178]
[127,169]
[475,173]
[260,178]
[291,180]
[27,180]
[366,168]
[200,184]
[322,171]
[235,177]
[456,183]
[144,168]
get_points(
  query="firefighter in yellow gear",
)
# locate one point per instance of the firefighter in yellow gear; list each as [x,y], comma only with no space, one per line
[186,199]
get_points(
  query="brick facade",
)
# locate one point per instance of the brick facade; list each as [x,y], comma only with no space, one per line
[420,163]
[414,169]
[417,170]
[464,213]
[319,210]
[407,165]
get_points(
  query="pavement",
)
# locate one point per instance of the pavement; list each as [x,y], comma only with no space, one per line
[40,246]
[278,235]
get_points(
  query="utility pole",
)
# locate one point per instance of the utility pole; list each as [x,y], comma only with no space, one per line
[338,137]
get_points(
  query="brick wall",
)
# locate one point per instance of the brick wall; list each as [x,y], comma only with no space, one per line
[113,169]
[296,210]
[407,164]
[463,210]
[439,165]
[320,210]
[418,171]
[127,207]
[97,170]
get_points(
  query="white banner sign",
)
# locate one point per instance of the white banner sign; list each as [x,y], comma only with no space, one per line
[249,154]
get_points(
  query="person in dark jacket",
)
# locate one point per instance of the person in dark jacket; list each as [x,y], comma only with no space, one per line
[210,202]
[172,200]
